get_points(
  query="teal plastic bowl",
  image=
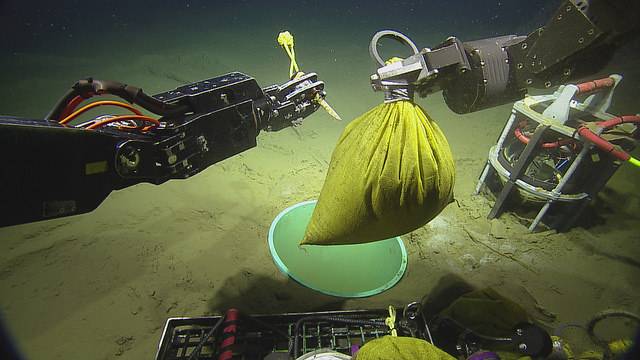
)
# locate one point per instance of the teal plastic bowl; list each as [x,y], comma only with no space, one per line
[339,270]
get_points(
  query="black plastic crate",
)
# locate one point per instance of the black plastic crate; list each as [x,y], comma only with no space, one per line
[260,335]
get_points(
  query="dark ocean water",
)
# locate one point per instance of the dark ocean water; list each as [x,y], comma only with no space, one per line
[44,38]
[49,45]
[50,25]
[52,34]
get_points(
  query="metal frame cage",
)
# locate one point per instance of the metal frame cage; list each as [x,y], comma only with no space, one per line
[288,335]
[584,173]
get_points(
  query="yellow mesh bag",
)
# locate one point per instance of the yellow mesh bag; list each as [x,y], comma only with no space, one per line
[391,172]
[400,348]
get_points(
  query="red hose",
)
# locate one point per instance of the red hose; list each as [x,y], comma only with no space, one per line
[71,106]
[619,120]
[595,85]
[548,145]
[602,144]
[229,334]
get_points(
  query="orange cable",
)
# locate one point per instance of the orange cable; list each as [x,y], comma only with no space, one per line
[90,106]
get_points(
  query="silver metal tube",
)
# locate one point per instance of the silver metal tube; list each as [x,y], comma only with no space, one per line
[505,131]
[541,213]
[497,148]
[483,177]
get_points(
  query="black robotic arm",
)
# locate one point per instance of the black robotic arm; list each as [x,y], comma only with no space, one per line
[578,40]
[52,168]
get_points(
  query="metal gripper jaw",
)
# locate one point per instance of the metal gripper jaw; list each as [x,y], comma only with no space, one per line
[293,101]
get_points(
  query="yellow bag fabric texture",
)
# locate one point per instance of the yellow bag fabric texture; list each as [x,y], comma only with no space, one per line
[391,172]
[400,348]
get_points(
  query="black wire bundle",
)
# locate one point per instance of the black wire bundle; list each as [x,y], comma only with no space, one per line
[198,348]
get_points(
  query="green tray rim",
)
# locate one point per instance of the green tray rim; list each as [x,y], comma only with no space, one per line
[284,269]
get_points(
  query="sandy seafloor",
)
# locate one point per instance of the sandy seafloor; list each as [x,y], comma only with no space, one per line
[101,285]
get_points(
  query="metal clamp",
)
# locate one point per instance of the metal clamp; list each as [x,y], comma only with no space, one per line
[403,39]
[414,310]
[396,79]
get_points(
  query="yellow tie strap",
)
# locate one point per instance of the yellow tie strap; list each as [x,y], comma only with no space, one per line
[391,321]
[285,39]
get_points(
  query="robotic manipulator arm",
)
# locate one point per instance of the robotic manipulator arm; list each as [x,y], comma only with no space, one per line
[578,40]
[53,169]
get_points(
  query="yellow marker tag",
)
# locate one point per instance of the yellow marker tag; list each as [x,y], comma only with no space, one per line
[621,346]
[285,39]
[392,60]
[97,167]
[325,105]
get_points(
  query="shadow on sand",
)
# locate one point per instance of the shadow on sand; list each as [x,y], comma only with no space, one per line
[260,294]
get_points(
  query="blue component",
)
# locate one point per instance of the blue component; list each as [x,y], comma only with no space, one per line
[563,163]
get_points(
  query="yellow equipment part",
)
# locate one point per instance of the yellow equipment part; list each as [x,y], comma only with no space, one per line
[391,172]
[400,348]
[285,39]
